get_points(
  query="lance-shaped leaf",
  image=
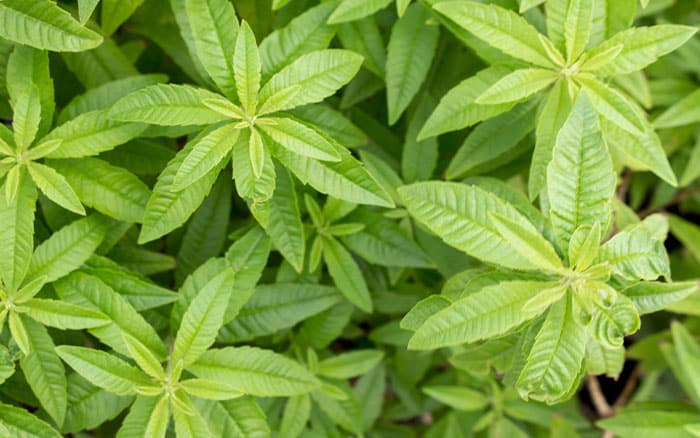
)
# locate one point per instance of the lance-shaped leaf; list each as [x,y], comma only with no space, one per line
[209,389]
[18,422]
[157,424]
[603,359]
[613,105]
[248,186]
[577,27]
[240,416]
[44,25]
[247,68]
[90,292]
[255,371]
[663,419]
[459,214]
[492,311]
[167,105]
[62,315]
[188,421]
[17,232]
[517,86]
[28,67]
[91,133]
[528,242]
[651,297]
[688,233]
[206,154]
[90,406]
[203,319]
[109,189]
[319,74]
[500,28]
[458,108]
[168,209]
[214,27]
[347,365]
[554,361]
[44,371]
[296,413]
[642,46]
[684,112]
[346,275]
[350,10]
[26,117]
[636,255]
[580,178]
[104,370]
[68,248]
[55,187]
[300,138]
[409,56]
[457,397]
[688,351]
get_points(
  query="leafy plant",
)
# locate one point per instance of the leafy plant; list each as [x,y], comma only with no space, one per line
[304,218]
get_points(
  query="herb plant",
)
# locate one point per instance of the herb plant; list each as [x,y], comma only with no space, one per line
[326,218]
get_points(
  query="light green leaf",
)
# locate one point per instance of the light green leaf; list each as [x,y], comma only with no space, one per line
[26,117]
[688,233]
[457,397]
[167,105]
[55,187]
[214,26]
[136,421]
[458,108]
[104,370]
[577,27]
[492,311]
[319,74]
[642,46]
[65,316]
[91,133]
[611,324]
[90,406]
[350,10]
[409,56]
[277,307]
[528,242]
[247,68]
[580,178]
[555,359]
[44,25]
[209,389]
[116,12]
[203,319]
[501,28]
[85,9]
[296,414]
[635,255]
[68,248]
[653,421]
[44,371]
[346,275]
[684,112]
[343,409]
[688,351]
[300,138]
[207,153]
[189,422]
[167,209]
[517,86]
[19,423]
[651,297]
[364,37]
[157,424]
[238,417]
[144,357]
[347,365]
[613,105]
[459,214]
[248,186]
[255,371]
[17,232]
[111,190]
[603,359]
[28,67]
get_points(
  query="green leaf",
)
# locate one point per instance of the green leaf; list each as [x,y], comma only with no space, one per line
[688,233]
[144,357]
[108,189]
[208,152]
[319,74]
[459,214]
[247,257]
[44,371]
[346,179]
[91,133]
[642,46]
[26,117]
[238,417]
[300,138]
[203,319]
[458,108]
[167,105]
[683,112]
[116,12]
[277,307]
[167,209]
[136,421]
[613,105]
[347,365]
[343,409]
[350,10]
[189,422]
[555,359]
[55,187]
[85,9]
[577,27]
[90,406]
[214,27]
[209,389]
[580,177]
[651,297]
[346,275]
[296,414]
[21,424]
[27,67]
[255,371]
[503,29]
[44,25]
[492,311]
[457,397]
[611,324]
[635,255]
[104,370]
[654,421]
[517,86]
[409,56]
[528,242]
[688,351]
[364,37]
[247,68]
[17,233]
[157,424]
[604,359]
[62,315]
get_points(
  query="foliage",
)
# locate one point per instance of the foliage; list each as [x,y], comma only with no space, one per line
[303,218]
